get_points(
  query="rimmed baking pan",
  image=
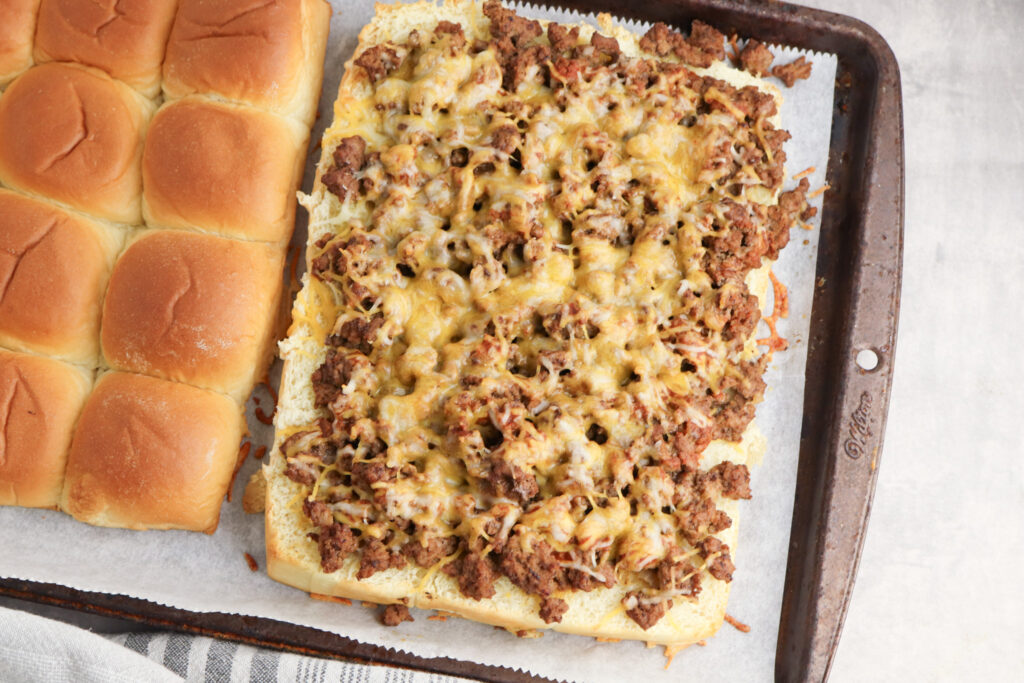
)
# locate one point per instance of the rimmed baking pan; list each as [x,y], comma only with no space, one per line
[854,315]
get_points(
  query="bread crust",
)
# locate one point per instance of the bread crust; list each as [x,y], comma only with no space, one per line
[78,141]
[230,51]
[128,43]
[40,400]
[223,168]
[294,559]
[194,308]
[151,454]
[17,26]
[55,265]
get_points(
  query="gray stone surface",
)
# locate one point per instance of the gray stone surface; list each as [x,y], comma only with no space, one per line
[939,594]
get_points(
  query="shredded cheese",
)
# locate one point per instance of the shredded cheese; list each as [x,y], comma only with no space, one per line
[530,289]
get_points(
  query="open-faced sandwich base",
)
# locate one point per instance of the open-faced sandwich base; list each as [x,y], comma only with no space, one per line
[292,554]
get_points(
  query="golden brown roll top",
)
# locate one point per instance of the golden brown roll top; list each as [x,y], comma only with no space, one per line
[74,134]
[151,454]
[223,168]
[184,317]
[126,40]
[54,267]
[17,25]
[194,308]
[40,399]
[266,54]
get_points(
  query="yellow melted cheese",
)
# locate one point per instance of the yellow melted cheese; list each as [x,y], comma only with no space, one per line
[471,319]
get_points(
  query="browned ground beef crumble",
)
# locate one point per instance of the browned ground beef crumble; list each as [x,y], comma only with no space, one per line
[346,456]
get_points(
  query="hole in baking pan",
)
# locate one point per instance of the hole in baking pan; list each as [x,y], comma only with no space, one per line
[868,360]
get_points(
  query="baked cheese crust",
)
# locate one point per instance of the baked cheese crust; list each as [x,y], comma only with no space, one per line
[522,371]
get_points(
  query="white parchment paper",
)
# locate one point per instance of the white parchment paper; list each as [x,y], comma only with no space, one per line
[209,573]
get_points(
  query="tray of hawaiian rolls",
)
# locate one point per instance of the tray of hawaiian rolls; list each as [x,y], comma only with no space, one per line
[504,362]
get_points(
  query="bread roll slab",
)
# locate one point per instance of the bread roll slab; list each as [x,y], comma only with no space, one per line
[125,40]
[194,308]
[40,400]
[73,134]
[293,557]
[269,55]
[17,26]
[54,267]
[223,168]
[151,454]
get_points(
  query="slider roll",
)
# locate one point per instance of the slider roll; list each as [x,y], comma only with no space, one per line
[54,267]
[17,25]
[269,55]
[125,40]
[74,135]
[151,454]
[223,168]
[194,308]
[40,399]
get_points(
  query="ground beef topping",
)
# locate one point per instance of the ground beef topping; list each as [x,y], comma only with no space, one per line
[756,58]
[509,481]
[537,572]
[533,319]
[357,333]
[476,576]
[395,614]
[377,558]
[717,557]
[335,543]
[507,25]
[433,550]
[562,39]
[349,158]
[377,61]
[794,71]
[456,38]
[704,45]
[552,609]
[645,614]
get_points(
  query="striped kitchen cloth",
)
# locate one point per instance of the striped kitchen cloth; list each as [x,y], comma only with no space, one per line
[196,658]
[35,649]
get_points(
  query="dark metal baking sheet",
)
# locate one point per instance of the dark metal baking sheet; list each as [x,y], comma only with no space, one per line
[856,306]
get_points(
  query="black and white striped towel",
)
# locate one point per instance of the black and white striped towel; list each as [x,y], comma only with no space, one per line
[33,648]
[205,659]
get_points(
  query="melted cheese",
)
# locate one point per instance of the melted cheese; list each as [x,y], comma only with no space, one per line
[536,306]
